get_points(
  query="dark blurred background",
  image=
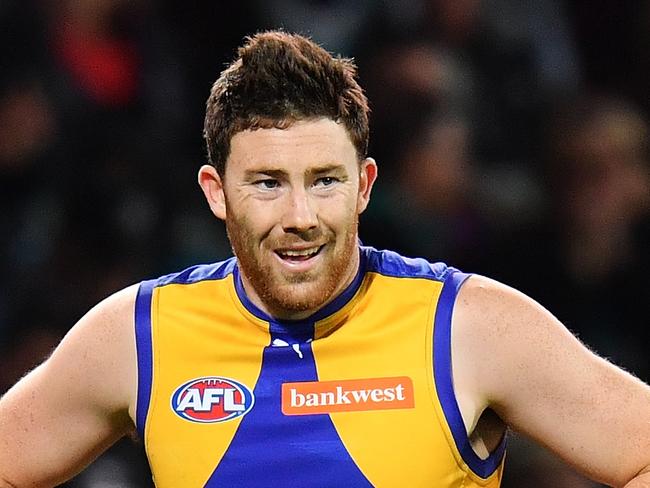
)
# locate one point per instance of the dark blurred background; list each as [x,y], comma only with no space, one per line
[511,136]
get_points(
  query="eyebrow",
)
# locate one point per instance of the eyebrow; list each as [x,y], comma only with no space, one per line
[279,173]
[327,168]
[273,173]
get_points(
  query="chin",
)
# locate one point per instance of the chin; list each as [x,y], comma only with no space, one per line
[298,298]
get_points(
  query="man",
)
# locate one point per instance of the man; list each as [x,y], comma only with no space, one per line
[309,360]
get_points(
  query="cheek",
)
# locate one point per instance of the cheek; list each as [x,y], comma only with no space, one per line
[353,207]
[334,210]
[256,219]
[242,232]
[342,218]
[347,199]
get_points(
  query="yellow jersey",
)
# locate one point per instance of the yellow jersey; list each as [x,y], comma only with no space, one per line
[359,394]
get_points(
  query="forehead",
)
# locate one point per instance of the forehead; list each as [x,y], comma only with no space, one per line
[302,144]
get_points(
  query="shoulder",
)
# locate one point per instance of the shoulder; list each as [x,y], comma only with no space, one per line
[390,263]
[195,274]
[98,353]
[504,341]
[111,316]
[500,338]
[83,393]
[490,300]
[493,317]
[512,355]
[489,310]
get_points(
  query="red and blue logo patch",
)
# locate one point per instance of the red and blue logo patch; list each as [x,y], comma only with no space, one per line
[212,399]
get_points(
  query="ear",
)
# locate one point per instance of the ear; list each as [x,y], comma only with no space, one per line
[367,177]
[212,186]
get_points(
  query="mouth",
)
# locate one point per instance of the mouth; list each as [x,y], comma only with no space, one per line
[298,255]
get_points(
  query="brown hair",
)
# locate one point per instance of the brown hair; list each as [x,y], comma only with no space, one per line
[277,79]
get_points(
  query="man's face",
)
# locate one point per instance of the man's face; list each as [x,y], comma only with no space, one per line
[291,200]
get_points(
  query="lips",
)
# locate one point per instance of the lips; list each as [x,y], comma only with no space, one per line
[296,255]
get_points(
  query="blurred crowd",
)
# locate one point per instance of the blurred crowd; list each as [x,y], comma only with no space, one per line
[511,137]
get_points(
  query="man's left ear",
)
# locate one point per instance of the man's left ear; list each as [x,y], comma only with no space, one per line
[367,177]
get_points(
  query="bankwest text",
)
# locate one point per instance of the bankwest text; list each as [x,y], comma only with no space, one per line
[313,397]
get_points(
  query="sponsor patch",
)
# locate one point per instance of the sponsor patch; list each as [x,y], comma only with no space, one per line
[212,399]
[314,397]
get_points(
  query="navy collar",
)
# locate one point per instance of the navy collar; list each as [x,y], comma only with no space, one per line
[302,329]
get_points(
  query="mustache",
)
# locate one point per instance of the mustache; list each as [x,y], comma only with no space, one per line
[296,237]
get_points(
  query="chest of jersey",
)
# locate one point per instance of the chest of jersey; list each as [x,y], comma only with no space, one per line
[348,399]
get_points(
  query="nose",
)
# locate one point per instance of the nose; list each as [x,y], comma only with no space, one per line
[300,214]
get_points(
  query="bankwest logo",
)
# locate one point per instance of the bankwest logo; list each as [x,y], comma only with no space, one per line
[314,397]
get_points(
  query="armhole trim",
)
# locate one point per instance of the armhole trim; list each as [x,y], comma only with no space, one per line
[144,351]
[442,371]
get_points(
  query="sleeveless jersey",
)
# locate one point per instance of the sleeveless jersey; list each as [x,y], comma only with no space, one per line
[358,395]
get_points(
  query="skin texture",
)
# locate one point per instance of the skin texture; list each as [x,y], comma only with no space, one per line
[300,188]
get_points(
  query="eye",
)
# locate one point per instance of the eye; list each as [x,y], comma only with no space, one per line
[326,181]
[267,184]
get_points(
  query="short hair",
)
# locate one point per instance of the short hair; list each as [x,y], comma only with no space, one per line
[277,79]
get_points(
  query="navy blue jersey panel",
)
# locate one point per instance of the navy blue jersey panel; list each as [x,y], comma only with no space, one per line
[272,449]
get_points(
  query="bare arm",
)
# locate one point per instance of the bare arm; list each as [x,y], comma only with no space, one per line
[545,384]
[72,407]
[642,480]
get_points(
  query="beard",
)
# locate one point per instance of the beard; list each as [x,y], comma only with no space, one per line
[286,294]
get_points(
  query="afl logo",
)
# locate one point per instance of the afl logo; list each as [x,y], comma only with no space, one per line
[212,399]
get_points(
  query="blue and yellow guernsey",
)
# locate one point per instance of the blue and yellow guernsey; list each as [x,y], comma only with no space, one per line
[358,395]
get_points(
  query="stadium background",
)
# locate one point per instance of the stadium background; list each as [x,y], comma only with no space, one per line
[511,137]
